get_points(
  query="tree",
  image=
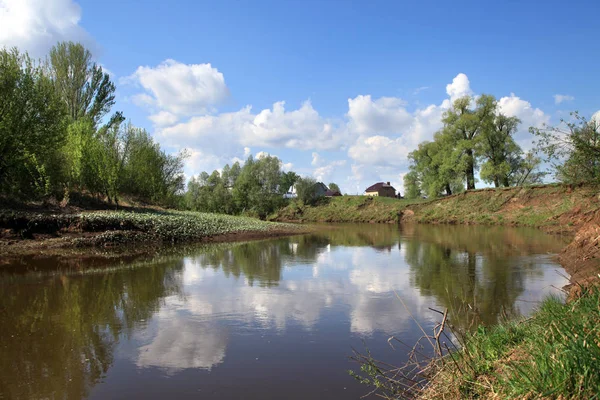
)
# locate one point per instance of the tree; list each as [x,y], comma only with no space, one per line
[435,166]
[528,173]
[306,189]
[32,126]
[501,154]
[334,187]
[573,147]
[84,87]
[412,187]
[464,127]
[288,179]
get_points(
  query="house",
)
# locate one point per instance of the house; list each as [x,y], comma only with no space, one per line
[320,189]
[332,193]
[383,189]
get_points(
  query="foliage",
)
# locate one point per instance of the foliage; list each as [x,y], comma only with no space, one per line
[83,86]
[51,142]
[254,188]
[412,186]
[554,354]
[306,190]
[32,127]
[502,155]
[288,179]
[334,187]
[573,147]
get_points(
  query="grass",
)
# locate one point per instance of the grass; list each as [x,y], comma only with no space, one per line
[545,206]
[554,354]
[124,226]
[345,209]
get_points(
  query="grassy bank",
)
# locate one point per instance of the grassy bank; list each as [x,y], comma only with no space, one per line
[554,354]
[345,209]
[558,207]
[103,228]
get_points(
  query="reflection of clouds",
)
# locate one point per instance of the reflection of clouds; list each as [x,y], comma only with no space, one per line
[183,343]
[357,283]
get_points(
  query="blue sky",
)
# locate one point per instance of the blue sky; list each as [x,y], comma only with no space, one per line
[363,82]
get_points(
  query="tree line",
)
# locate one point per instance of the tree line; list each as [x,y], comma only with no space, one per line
[477,137]
[59,136]
[257,187]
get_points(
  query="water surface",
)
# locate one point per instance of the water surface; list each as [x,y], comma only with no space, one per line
[268,319]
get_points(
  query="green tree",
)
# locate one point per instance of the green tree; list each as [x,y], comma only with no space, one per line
[288,179]
[32,126]
[573,147]
[306,189]
[84,87]
[528,172]
[334,187]
[464,127]
[412,186]
[501,154]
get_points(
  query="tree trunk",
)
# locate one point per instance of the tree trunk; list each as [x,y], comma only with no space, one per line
[470,170]
[448,190]
[496,181]
[505,181]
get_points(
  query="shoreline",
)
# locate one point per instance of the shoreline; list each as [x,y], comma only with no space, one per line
[106,234]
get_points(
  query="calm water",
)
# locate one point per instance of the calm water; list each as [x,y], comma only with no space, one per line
[272,319]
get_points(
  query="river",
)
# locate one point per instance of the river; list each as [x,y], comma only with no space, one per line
[270,319]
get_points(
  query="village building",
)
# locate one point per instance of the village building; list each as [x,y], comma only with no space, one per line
[382,189]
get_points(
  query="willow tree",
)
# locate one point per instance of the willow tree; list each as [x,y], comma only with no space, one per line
[502,156]
[464,126]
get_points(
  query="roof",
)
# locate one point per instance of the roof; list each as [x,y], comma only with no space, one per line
[330,193]
[377,186]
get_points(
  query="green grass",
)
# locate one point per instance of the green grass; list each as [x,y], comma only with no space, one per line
[555,354]
[345,209]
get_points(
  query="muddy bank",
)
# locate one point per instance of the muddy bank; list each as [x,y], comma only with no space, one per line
[109,234]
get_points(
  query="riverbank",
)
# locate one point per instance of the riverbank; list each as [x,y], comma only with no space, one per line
[554,354]
[568,210]
[23,232]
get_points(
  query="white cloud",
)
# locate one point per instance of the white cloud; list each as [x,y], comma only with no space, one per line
[303,128]
[596,117]
[380,150]
[180,89]
[316,159]
[163,118]
[325,172]
[559,98]
[37,25]
[459,87]
[514,106]
[384,115]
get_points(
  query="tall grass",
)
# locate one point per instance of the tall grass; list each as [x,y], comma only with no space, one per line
[553,354]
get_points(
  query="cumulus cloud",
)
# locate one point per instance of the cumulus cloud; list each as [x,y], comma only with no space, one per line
[384,115]
[559,98]
[380,150]
[180,89]
[36,25]
[514,106]
[302,128]
[459,87]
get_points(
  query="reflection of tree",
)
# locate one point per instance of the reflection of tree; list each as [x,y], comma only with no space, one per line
[469,272]
[262,261]
[58,336]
